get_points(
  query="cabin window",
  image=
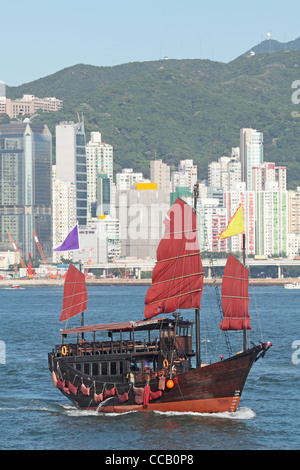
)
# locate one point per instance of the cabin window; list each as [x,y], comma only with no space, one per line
[135,366]
[104,368]
[185,331]
[78,367]
[86,368]
[113,368]
[121,368]
[95,368]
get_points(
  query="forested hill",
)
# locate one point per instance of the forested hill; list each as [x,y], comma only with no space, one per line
[177,109]
[271,45]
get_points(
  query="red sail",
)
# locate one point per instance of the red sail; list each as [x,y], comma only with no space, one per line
[235,297]
[177,278]
[75,294]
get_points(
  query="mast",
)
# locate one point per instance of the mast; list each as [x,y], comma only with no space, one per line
[82,313]
[197,310]
[232,322]
[177,278]
[244,263]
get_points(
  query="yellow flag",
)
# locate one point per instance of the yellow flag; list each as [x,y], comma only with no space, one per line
[235,225]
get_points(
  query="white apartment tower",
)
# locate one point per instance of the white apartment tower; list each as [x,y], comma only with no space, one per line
[224,173]
[127,179]
[63,213]
[251,153]
[99,160]
[271,223]
[186,176]
[211,221]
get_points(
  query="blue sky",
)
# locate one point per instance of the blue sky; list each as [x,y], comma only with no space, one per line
[39,38]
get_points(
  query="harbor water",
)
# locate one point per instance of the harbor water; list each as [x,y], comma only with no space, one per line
[36,416]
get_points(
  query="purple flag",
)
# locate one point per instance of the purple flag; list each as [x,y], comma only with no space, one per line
[71,242]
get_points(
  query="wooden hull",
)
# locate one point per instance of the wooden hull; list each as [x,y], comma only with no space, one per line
[198,406]
[209,389]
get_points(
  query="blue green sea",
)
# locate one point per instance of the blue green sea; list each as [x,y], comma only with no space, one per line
[36,416]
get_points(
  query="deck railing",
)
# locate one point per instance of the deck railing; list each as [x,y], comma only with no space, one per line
[88,348]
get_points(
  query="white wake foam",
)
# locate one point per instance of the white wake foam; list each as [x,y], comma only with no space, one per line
[242,414]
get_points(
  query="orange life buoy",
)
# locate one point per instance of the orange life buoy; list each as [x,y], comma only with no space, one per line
[64,350]
[170,383]
[166,363]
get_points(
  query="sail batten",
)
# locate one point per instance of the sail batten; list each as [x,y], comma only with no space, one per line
[176,296]
[75,294]
[178,257]
[177,278]
[235,296]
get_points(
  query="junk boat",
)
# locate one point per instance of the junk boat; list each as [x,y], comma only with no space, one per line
[126,373]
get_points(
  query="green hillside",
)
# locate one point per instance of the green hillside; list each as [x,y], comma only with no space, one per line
[271,45]
[178,109]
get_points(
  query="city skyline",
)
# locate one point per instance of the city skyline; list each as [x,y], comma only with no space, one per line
[121,207]
[142,32]
[219,198]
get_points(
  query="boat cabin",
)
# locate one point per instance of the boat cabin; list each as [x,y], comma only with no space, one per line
[135,350]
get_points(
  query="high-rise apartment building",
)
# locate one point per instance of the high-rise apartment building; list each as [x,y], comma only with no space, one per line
[103,196]
[63,213]
[232,200]
[267,176]
[186,176]
[271,223]
[294,223]
[112,231]
[127,179]
[251,153]
[224,173]
[25,186]
[160,174]
[71,163]
[294,211]
[99,161]
[212,221]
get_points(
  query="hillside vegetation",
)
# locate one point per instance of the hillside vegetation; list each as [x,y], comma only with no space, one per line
[177,109]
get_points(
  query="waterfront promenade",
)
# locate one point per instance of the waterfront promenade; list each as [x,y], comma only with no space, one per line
[133,282]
